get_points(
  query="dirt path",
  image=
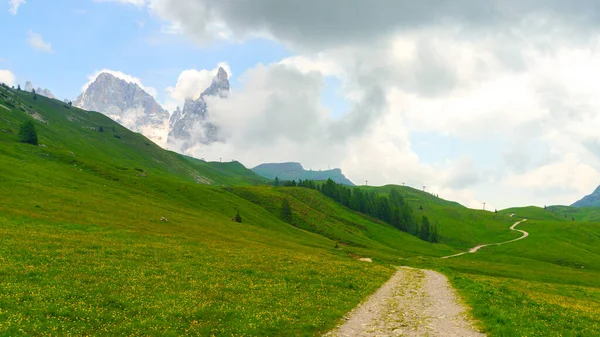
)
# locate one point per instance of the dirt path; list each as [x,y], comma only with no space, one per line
[413,302]
[475,249]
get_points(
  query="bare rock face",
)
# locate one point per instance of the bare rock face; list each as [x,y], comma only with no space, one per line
[127,104]
[39,91]
[44,92]
[188,127]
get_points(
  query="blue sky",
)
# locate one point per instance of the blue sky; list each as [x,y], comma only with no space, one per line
[87,36]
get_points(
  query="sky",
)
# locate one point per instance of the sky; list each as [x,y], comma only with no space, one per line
[490,102]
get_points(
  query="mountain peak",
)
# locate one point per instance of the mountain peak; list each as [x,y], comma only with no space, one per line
[104,76]
[189,126]
[222,74]
[126,103]
[44,92]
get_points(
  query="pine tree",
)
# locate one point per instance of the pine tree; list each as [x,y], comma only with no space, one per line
[425,231]
[27,133]
[396,218]
[383,210]
[286,211]
[276,182]
[435,238]
[395,198]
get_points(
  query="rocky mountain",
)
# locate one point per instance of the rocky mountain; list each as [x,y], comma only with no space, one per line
[188,126]
[44,92]
[295,171]
[126,103]
[592,200]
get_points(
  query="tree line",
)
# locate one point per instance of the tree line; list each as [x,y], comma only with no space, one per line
[390,208]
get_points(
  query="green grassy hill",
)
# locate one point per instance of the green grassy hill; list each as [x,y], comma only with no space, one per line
[84,249]
[459,227]
[533,212]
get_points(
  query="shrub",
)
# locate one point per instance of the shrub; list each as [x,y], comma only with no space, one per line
[27,133]
[237,217]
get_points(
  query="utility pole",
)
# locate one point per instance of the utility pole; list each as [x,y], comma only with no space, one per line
[402,184]
[484,206]
[423,188]
[220,160]
[366,183]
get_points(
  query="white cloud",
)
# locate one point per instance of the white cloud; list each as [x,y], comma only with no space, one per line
[36,41]
[125,77]
[522,74]
[14,6]
[7,77]
[190,84]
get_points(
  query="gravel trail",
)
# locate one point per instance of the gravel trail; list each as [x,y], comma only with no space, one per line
[413,302]
[475,249]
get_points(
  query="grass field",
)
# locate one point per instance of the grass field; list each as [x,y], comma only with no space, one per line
[545,285]
[83,250]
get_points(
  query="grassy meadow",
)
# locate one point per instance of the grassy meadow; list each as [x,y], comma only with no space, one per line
[83,249]
[545,285]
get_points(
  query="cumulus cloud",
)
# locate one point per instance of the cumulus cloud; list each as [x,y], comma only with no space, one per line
[7,77]
[125,77]
[36,41]
[322,24]
[276,113]
[190,84]
[521,72]
[14,6]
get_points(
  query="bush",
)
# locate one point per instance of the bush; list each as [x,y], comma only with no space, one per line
[27,133]
[237,217]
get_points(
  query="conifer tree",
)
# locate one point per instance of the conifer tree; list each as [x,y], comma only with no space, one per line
[435,238]
[425,231]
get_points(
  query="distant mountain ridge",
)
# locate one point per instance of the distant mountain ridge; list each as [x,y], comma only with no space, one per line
[592,200]
[295,171]
[44,92]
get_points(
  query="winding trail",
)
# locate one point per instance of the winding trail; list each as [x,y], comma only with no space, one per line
[413,302]
[512,228]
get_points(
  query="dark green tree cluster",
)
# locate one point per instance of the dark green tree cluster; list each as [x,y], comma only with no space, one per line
[27,133]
